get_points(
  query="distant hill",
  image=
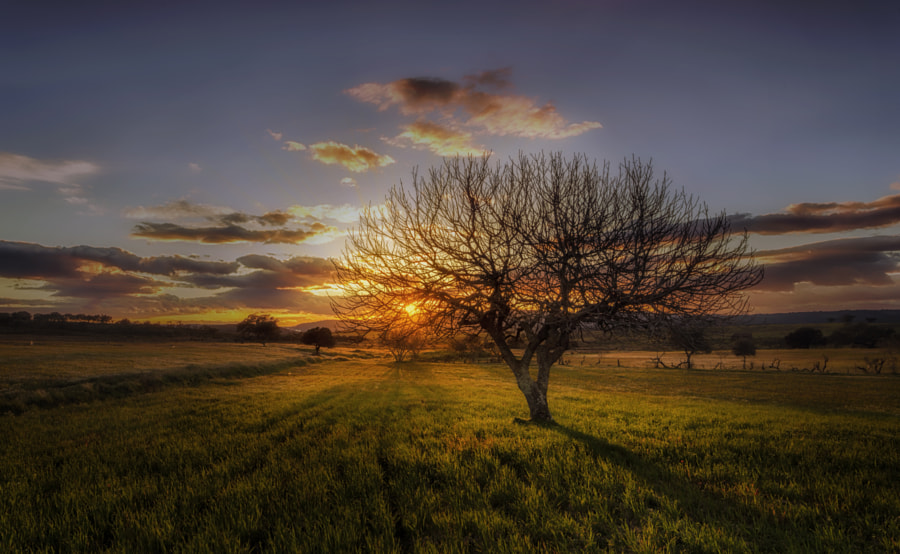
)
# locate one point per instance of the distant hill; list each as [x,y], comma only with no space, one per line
[330,323]
[812,318]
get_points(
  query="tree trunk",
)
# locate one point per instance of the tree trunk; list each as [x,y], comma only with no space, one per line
[535,393]
[537,404]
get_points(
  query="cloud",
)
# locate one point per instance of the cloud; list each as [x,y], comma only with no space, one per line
[441,140]
[111,280]
[344,213]
[17,171]
[183,220]
[195,167]
[292,146]
[502,114]
[357,159]
[810,297]
[104,285]
[895,185]
[348,182]
[23,260]
[809,217]
[274,134]
[177,209]
[227,233]
[841,262]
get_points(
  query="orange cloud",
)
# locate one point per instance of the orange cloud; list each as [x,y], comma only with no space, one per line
[274,134]
[441,140]
[357,159]
[492,113]
[292,146]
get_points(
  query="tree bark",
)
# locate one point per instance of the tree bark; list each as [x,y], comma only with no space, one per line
[535,393]
[538,409]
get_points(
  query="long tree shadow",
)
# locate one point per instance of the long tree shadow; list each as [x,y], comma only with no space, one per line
[761,529]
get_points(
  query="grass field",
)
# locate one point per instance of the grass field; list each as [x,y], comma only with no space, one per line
[266,452]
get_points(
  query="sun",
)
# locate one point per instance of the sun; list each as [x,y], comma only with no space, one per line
[411,308]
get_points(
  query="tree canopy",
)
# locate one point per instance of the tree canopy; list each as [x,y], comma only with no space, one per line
[530,251]
[318,337]
[261,327]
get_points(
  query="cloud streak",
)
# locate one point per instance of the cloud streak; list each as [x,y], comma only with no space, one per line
[829,217]
[841,262]
[227,233]
[221,225]
[18,171]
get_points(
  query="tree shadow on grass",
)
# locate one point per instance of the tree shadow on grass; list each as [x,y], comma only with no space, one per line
[761,530]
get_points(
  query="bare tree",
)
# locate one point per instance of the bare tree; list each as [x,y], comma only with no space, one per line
[530,251]
[742,344]
[689,334]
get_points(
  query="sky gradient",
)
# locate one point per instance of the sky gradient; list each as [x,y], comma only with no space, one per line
[202,161]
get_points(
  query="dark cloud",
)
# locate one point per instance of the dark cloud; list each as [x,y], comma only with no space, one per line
[171,265]
[276,218]
[824,217]
[298,272]
[22,260]
[122,284]
[218,225]
[426,93]
[276,299]
[853,261]
[227,233]
[104,285]
[319,269]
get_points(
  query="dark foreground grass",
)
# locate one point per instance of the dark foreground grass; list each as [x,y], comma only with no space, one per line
[363,455]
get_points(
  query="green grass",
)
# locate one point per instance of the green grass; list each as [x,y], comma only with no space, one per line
[364,455]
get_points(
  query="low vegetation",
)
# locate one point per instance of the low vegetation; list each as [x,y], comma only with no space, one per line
[364,454]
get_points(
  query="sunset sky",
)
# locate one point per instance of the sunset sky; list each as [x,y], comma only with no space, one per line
[202,161]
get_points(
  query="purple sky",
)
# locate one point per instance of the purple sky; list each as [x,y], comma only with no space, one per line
[201,161]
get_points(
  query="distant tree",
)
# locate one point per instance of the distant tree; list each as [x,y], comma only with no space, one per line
[861,335]
[318,337]
[804,337]
[537,249]
[21,317]
[403,343]
[690,336]
[743,345]
[205,333]
[260,327]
